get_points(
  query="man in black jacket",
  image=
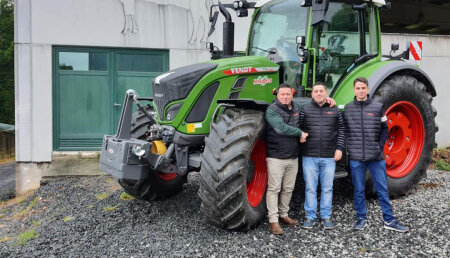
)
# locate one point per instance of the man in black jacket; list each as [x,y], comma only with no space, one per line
[367,132]
[324,146]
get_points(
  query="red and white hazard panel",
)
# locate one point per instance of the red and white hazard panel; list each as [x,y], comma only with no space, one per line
[415,50]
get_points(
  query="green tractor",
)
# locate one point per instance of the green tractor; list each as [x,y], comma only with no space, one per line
[209,117]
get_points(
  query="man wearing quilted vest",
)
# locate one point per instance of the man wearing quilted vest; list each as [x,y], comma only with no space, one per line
[367,132]
[324,146]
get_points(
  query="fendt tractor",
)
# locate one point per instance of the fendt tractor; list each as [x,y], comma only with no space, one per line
[209,117]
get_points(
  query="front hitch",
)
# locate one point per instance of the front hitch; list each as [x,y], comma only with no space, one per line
[127,158]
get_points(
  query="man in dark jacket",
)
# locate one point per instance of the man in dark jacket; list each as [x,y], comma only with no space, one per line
[367,132]
[283,135]
[324,146]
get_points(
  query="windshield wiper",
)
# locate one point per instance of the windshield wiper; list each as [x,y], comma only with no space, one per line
[270,50]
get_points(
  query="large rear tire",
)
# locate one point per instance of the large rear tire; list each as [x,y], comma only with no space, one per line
[234,172]
[158,185]
[411,131]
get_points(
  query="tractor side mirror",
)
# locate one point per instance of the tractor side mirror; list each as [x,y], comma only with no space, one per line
[302,50]
[394,47]
[301,40]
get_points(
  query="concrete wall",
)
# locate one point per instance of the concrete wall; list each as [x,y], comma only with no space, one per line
[178,25]
[436,63]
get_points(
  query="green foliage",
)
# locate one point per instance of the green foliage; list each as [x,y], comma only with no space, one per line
[102,196]
[23,238]
[6,62]
[442,165]
[111,208]
[126,197]
[68,218]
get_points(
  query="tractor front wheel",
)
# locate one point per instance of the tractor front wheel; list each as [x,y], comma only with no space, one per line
[410,118]
[234,173]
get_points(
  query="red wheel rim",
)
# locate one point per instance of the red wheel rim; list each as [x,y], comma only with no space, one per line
[167,176]
[406,138]
[257,186]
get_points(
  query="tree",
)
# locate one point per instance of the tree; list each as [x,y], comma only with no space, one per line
[6,62]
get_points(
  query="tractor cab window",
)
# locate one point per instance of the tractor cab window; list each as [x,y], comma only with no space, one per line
[274,35]
[337,41]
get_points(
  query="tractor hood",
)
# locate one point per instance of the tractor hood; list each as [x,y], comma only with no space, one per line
[177,84]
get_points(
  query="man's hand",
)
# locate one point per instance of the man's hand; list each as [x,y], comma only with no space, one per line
[303,138]
[330,101]
[337,155]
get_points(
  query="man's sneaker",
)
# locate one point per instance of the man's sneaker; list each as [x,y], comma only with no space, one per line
[327,224]
[308,223]
[396,226]
[360,224]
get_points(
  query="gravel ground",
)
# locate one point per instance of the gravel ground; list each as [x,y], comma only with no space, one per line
[85,216]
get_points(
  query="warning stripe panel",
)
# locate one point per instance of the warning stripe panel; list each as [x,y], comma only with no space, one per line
[415,49]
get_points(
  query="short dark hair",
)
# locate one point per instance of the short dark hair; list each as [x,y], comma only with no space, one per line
[319,83]
[361,79]
[284,85]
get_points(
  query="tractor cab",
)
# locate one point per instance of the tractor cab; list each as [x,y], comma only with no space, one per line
[337,37]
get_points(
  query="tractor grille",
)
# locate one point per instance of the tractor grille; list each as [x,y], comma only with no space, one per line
[239,83]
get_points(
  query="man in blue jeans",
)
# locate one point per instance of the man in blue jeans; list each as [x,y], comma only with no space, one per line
[324,146]
[367,132]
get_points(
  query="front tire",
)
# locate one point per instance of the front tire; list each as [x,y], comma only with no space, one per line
[234,172]
[411,131]
[157,185]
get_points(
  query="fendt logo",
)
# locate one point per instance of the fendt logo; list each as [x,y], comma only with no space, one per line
[250,69]
[240,70]
[262,80]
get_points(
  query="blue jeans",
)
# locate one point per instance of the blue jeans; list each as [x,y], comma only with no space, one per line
[377,171]
[315,169]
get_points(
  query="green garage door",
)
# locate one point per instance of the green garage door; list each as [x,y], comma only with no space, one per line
[89,87]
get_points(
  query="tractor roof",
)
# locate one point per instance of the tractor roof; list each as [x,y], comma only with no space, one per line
[378,3]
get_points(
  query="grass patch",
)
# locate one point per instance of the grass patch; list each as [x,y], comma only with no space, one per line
[7,160]
[109,180]
[68,218]
[36,223]
[126,197]
[29,207]
[111,208]
[5,239]
[102,196]
[442,165]
[90,206]
[441,159]
[23,238]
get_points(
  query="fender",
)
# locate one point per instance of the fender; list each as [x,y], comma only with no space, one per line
[400,67]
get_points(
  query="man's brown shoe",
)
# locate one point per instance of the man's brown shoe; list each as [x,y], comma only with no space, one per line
[289,221]
[275,228]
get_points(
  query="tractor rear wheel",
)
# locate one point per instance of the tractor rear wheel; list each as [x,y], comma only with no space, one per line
[157,185]
[234,172]
[410,118]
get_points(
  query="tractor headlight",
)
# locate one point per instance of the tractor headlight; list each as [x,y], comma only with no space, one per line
[172,111]
[138,151]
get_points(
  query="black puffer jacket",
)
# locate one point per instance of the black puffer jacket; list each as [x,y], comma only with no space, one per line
[325,128]
[366,130]
[282,131]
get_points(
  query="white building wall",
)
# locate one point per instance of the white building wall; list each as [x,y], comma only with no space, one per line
[436,64]
[181,26]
